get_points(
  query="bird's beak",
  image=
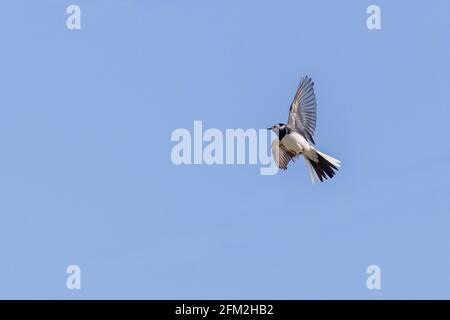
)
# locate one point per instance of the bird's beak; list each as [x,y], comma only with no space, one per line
[269,128]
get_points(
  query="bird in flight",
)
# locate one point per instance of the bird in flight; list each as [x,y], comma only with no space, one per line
[296,138]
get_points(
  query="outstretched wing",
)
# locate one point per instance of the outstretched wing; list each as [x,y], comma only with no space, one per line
[281,155]
[302,113]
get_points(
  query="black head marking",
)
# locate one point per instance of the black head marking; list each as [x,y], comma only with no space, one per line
[282,132]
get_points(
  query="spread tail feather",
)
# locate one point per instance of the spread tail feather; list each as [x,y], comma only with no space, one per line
[321,166]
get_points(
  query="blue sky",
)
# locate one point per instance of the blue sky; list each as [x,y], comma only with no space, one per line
[85,170]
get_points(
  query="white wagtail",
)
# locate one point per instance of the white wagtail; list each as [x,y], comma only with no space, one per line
[296,138]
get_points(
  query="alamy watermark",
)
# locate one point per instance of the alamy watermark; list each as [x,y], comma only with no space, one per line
[374,278]
[73,281]
[373,21]
[73,21]
[214,147]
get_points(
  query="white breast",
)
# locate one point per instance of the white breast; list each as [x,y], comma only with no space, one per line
[295,142]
